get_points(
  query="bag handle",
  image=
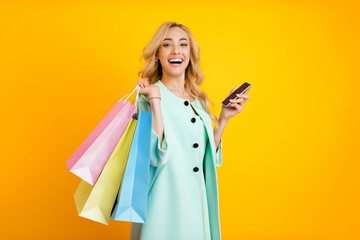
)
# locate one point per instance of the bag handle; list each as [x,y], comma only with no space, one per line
[128,95]
[137,102]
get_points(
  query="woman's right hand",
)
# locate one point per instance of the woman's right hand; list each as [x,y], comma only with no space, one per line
[155,106]
[148,89]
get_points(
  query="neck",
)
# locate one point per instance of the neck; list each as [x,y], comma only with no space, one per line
[174,83]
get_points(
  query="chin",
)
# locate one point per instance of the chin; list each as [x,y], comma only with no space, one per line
[176,72]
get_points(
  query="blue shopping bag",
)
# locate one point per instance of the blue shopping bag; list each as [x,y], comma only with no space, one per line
[131,202]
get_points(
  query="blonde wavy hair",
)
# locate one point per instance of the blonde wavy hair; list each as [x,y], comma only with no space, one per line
[193,76]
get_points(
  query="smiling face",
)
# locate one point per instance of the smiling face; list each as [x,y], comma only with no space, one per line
[174,52]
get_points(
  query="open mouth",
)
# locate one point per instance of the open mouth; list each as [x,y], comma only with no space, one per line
[176,62]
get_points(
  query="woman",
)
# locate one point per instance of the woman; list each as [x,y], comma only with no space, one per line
[185,150]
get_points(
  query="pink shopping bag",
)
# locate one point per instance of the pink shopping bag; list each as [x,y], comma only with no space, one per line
[90,158]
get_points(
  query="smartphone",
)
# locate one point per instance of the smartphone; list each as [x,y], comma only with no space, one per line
[240,90]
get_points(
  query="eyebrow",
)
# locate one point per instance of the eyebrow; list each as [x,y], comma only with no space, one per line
[172,39]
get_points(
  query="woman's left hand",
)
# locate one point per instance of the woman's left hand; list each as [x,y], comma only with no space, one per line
[235,106]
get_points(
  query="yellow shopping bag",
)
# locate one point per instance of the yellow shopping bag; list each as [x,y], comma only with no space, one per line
[96,202]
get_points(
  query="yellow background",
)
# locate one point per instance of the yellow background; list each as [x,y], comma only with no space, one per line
[290,159]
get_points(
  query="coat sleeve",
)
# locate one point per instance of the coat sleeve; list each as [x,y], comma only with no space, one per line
[218,160]
[158,154]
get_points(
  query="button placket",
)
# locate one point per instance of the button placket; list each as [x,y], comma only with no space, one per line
[196,144]
[194,119]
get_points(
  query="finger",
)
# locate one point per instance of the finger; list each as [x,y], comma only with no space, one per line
[232,91]
[144,91]
[247,98]
[238,107]
[238,100]
[145,80]
[243,96]
[141,91]
[138,83]
[239,104]
[233,105]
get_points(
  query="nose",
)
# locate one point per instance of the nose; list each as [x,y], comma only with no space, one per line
[174,50]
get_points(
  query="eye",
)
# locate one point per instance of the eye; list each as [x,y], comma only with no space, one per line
[183,44]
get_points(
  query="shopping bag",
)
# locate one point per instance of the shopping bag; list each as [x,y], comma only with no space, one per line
[90,158]
[131,203]
[96,202]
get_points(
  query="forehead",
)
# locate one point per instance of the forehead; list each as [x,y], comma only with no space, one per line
[176,34]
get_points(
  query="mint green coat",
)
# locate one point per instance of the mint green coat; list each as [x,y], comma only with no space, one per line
[183,178]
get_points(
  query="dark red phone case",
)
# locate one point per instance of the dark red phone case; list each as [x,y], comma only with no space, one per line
[240,90]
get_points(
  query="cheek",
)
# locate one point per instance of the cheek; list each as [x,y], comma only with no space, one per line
[162,53]
[188,54]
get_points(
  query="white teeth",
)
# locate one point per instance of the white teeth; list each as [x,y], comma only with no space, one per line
[175,61]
